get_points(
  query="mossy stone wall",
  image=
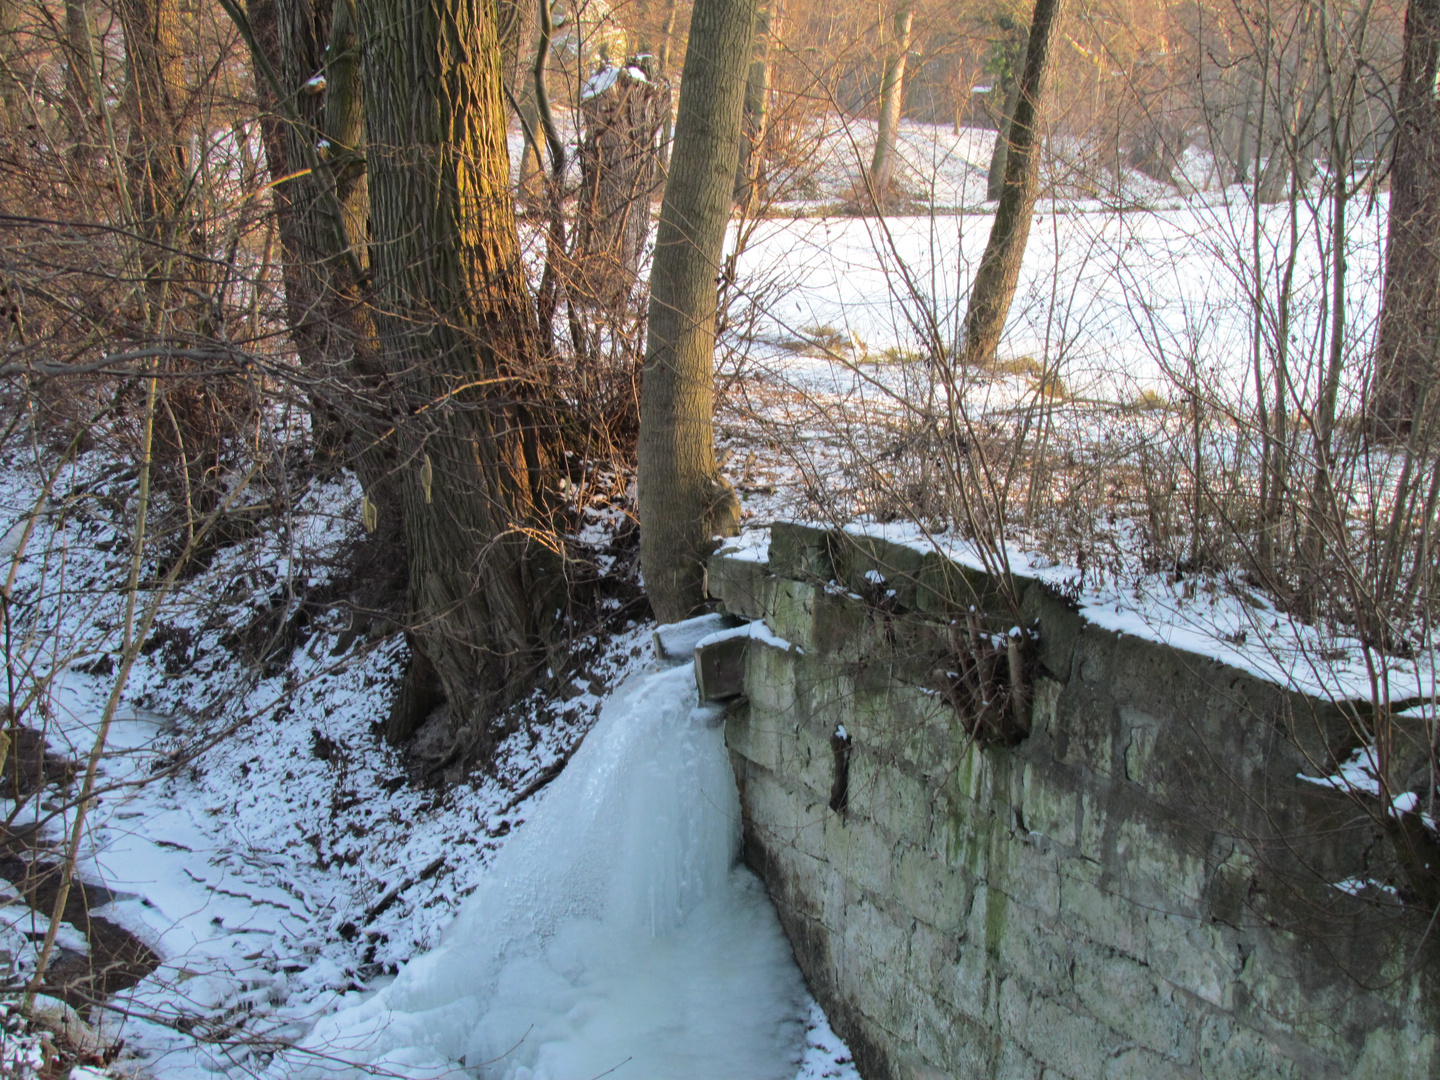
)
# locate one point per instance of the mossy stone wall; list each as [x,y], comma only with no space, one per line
[1138,889]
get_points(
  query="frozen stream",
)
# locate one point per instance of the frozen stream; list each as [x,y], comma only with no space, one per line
[614,935]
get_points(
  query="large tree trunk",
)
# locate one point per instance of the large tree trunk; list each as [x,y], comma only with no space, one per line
[999,271]
[683,500]
[314,132]
[667,48]
[1410,302]
[458,338]
[892,103]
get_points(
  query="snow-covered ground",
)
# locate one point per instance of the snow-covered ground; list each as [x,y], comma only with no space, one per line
[252,828]
[1115,303]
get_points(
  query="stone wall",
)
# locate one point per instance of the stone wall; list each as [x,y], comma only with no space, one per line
[1138,889]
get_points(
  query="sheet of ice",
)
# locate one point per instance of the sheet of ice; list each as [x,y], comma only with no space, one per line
[614,935]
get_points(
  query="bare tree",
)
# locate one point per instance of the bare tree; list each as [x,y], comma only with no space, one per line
[756,118]
[683,500]
[994,285]
[619,165]
[892,101]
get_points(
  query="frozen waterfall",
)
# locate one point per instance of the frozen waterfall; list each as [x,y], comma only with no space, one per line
[614,935]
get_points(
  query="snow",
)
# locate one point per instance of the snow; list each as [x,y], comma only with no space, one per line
[1120,302]
[257,836]
[598,83]
[756,631]
[752,545]
[1359,774]
[614,933]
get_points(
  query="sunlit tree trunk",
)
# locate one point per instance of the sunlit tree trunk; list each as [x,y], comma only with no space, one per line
[999,271]
[11,91]
[667,49]
[458,338]
[892,102]
[1410,302]
[683,500]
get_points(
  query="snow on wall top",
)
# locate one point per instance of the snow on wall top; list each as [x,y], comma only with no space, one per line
[1213,616]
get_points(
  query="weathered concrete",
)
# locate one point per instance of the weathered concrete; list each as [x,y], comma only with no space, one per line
[1136,890]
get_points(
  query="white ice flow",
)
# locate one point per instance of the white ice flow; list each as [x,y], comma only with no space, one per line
[615,934]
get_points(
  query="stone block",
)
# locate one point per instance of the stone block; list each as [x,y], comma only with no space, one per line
[1152,866]
[810,760]
[931,891]
[743,586]
[1044,703]
[1059,628]
[1130,998]
[963,835]
[1095,911]
[1083,728]
[946,589]
[860,851]
[1230,1051]
[1076,1044]
[1138,1063]
[821,621]
[1028,869]
[1141,764]
[1033,948]
[872,567]
[770,678]
[954,1043]
[972,983]
[1093,821]
[1050,805]
[889,796]
[1202,958]
[801,551]
[720,667]
[933,953]
[1391,1052]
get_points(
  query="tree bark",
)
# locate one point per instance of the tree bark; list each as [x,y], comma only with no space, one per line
[683,500]
[667,125]
[458,339]
[892,103]
[999,271]
[995,176]
[1410,300]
